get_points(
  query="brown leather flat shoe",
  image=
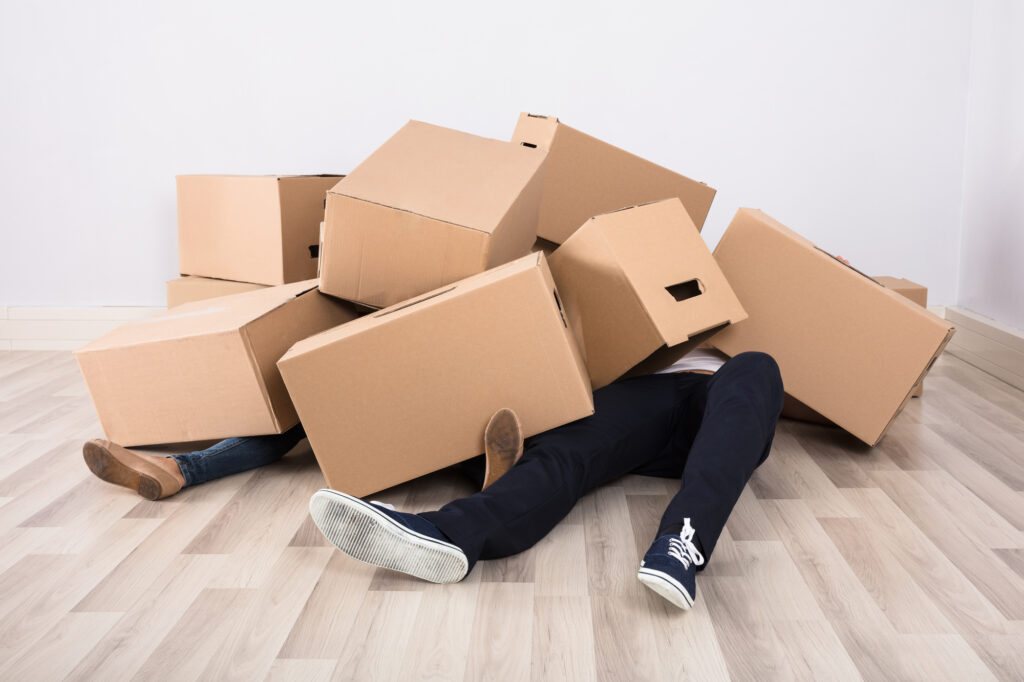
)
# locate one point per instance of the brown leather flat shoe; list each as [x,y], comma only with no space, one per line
[120,466]
[503,444]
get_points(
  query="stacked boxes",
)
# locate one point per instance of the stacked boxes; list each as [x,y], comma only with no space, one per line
[435,305]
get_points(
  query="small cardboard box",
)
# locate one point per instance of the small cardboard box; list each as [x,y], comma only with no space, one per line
[251,228]
[639,279]
[916,293]
[188,289]
[409,389]
[848,348]
[207,369]
[584,177]
[429,207]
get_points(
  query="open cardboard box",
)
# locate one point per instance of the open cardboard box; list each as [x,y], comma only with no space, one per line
[637,280]
[429,207]
[409,389]
[584,177]
[188,289]
[205,370]
[848,348]
[251,228]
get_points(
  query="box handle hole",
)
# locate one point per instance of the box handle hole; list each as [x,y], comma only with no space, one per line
[314,250]
[686,290]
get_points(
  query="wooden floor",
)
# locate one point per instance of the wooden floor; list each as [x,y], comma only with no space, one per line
[905,561]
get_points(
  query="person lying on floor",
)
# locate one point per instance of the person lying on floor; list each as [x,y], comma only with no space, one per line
[156,477]
[710,430]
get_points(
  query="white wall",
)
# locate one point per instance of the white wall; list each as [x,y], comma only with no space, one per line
[992,248]
[844,120]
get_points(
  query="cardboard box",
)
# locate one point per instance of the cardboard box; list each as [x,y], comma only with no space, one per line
[251,228]
[916,293]
[428,208]
[848,348]
[207,369]
[188,289]
[409,389]
[585,177]
[639,279]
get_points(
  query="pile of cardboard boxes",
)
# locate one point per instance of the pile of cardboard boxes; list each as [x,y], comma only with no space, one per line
[394,310]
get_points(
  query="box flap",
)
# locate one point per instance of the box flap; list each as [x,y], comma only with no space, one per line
[445,175]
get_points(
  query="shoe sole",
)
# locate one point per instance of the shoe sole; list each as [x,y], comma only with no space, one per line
[363,532]
[503,445]
[666,587]
[112,470]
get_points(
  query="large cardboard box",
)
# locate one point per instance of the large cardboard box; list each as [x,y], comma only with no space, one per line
[428,208]
[251,228]
[207,369]
[637,280]
[188,289]
[409,389]
[585,176]
[916,293]
[848,348]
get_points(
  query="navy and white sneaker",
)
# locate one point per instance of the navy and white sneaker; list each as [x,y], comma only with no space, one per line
[670,567]
[375,533]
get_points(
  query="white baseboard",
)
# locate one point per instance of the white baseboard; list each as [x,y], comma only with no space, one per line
[988,345]
[61,328]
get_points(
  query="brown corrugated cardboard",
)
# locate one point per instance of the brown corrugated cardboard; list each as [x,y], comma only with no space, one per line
[639,279]
[188,289]
[429,207]
[585,176]
[251,228]
[848,348]
[206,369]
[409,389]
[916,293]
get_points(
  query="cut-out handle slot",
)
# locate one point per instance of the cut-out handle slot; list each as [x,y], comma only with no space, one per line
[536,115]
[686,290]
[561,311]
[412,303]
[529,144]
[314,250]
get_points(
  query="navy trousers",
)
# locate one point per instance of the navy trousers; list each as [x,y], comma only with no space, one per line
[711,431]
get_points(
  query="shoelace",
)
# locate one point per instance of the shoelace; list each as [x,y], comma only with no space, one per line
[683,549]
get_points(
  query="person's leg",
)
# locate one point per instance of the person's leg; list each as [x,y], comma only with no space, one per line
[632,423]
[235,455]
[733,437]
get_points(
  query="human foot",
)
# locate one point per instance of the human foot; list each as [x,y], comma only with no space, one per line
[376,534]
[503,444]
[670,567]
[152,477]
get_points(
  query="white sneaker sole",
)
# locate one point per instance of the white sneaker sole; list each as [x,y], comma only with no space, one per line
[366,533]
[665,586]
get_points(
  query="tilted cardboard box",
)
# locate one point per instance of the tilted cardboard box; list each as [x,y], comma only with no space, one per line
[251,228]
[916,293]
[585,176]
[207,369]
[429,207]
[188,289]
[637,280]
[848,348]
[409,389]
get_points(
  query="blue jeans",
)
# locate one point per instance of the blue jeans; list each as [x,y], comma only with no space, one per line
[236,455]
